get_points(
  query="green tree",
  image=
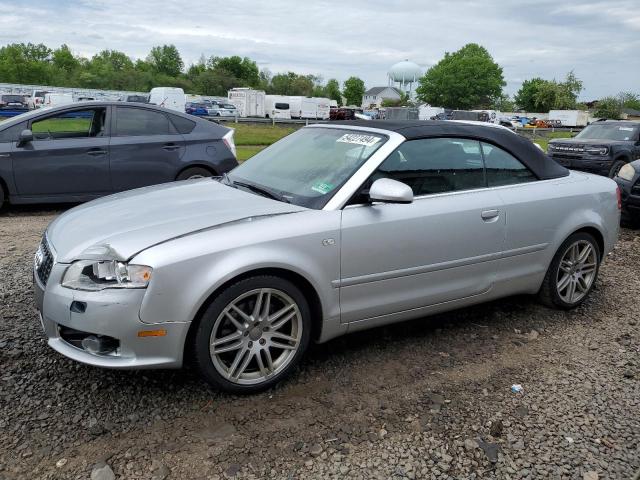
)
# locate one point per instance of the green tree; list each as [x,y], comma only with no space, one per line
[629,100]
[468,78]
[538,95]
[166,59]
[525,99]
[25,63]
[403,101]
[503,104]
[353,90]
[243,69]
[609,107]
[332,90]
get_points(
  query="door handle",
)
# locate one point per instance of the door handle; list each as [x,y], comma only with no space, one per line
[170,147]
[488,215]
[95,152]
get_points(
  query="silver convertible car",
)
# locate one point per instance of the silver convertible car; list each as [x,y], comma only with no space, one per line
[333,229]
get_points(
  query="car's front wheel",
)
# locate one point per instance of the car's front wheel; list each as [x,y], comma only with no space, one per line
[572,273]
[253,334]
[615,168]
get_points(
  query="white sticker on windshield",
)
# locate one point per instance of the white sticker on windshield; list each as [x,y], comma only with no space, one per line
[359,139]
[626,129]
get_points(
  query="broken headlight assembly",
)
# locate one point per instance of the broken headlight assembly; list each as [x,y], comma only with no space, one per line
[95,275]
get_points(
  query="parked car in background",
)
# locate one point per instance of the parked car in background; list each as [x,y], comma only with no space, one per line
[602,147]
[220,109]
[628,179]
[168,97]
[193,108]
[13,102]
[57,99]
[87,150]
[36,100]
[135,98]
[333,229]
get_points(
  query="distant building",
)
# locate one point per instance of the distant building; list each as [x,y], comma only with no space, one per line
[630,114]
[373,97]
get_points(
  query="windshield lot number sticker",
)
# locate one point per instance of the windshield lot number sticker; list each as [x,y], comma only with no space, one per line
[322,188]
[359,139]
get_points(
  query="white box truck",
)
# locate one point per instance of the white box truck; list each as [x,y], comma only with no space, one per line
[248,102]
[570,118]
[277,106]
[57,99]
[168,97]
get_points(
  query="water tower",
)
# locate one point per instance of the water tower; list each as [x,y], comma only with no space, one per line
[403,75]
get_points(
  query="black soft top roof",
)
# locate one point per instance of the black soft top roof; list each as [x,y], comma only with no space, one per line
[521,148]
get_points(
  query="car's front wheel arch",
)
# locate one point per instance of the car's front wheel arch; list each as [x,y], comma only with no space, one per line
[309,292]
[196,166]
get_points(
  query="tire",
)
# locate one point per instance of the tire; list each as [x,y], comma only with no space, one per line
[194,172]
[615,168]
[553,293]
[250,359]
[1,197]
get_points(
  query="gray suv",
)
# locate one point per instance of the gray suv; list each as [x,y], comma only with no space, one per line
[86,150]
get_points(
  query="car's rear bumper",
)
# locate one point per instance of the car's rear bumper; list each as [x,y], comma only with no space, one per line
[111,315]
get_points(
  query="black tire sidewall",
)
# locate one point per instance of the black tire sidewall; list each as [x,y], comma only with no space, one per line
[555,265]
[188,172]
[615,167]
[208,318]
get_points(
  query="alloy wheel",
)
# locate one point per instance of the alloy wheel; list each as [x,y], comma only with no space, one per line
[577,271]
[256,336]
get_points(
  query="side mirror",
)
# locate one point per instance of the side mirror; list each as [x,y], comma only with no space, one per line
[25,137]
[390,191]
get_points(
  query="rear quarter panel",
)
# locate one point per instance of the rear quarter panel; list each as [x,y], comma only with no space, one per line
[540,217]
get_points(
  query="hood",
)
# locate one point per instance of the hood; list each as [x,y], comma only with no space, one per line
[122,225]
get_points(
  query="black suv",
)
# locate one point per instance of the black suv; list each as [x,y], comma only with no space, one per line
[602,147]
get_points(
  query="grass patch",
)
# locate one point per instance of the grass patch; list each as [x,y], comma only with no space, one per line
[255,134]
[245,152]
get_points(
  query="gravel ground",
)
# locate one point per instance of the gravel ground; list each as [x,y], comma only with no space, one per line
[424,399]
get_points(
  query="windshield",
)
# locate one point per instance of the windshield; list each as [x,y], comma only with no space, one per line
[229,106]
[309,166]
[608,132]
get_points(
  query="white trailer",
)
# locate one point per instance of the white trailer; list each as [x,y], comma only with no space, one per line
[570,118]
[277,106]
[248,102]
[427,112]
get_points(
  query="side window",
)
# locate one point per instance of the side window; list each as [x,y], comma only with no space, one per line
[11,134]
[503,168]
[138,121]
[183,125]
[435,165]
[75,124]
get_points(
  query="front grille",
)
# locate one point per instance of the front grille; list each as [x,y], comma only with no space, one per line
[43,261]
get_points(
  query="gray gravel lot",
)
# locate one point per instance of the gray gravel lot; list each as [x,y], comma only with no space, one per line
[425,399]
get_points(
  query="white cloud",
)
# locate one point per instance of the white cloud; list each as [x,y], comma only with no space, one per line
[598,40]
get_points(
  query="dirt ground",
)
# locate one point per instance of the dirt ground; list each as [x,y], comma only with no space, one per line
[429,399]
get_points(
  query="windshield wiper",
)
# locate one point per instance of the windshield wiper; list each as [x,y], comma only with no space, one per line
[261,191]
[225,179]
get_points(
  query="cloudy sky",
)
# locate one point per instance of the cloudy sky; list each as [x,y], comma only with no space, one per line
[599,40]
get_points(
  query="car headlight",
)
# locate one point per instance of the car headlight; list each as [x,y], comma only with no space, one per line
[597,150]
[627,172]
[94,275]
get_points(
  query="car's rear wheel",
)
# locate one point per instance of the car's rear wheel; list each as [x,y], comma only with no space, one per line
[572,273]
[194,172]
[253,334]
[1,196]
[615,168]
